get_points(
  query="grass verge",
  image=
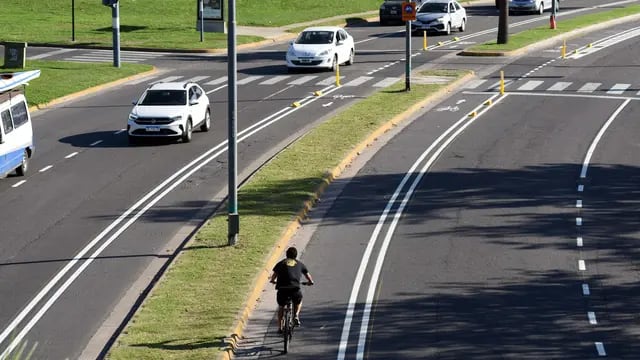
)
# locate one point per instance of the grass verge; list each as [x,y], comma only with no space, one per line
[61,78]
[190,312]
[531,36]
[162,24]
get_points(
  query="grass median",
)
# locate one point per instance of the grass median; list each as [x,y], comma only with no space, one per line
[189,314]
[161,24]
[61,78]
[532,36]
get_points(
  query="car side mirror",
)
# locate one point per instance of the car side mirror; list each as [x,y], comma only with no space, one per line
[135,102]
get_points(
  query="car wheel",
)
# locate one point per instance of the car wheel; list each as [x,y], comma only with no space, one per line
[334,64]
[22,169]
[463,25]
[188,131]
[541,10]
[352,56]
[383,22]
[206,124]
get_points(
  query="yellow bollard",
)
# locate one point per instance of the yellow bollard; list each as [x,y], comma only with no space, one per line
[473,114]
[337,74]
[488,102]
[317,93]
[590,45]
[295,104]
[501,82]
[563,52]
[424,40]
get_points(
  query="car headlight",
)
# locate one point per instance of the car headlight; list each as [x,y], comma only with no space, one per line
[440,20]
[176,118]
[291,52]
[324,53]
[133,117]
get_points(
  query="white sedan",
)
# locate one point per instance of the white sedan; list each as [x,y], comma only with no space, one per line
[441,16]
[321,47]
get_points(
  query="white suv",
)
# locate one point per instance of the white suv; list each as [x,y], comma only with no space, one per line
[170,109]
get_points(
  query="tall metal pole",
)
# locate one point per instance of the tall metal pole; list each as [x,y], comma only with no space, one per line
[503,22]
[407,68]
[233,217]
[73,20]
[115,18]
[201,11]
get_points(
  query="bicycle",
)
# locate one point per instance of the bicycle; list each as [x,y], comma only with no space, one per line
[287,328]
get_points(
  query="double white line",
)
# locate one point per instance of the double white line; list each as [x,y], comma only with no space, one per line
[52,290]
[416,172]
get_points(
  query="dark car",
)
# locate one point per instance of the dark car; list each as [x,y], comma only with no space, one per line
[391,11]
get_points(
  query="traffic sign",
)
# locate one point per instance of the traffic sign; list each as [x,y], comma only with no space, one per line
[408,11]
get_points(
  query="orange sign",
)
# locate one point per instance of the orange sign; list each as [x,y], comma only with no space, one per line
[408,11]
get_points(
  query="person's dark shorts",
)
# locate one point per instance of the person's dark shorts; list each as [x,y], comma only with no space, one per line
[284,294]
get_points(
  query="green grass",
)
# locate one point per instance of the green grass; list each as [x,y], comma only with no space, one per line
[60,78]
[528,37]
[189,314]
[163,24]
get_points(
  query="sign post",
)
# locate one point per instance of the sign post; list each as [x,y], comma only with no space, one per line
[408,15]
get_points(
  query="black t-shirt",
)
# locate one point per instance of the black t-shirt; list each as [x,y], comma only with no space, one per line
[289,272]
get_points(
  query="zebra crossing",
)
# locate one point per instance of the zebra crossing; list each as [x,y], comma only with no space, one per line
[319,80]
[97,55]
[555,86]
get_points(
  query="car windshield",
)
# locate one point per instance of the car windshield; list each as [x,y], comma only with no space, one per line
[433,8]
[165,97]
[315,37]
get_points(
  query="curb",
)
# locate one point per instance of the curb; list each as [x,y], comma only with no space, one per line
[296,223]
[91,90]
[552,40]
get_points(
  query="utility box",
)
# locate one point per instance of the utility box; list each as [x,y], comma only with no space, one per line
[15,54]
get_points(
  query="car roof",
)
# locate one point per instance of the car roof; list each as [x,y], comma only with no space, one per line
[437,1]
[322,28]
[176,85]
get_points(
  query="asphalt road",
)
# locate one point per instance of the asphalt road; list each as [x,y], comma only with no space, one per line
[96,219]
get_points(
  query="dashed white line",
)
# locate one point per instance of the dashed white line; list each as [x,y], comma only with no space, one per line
[18,183]
[579,242]
[581,265]
[600,349]
[579,203]
[585,290]
[119,131]
[559,86]
[45,168]
[592,318]
[578,221]
[580,188]
[71,155]
[99,141]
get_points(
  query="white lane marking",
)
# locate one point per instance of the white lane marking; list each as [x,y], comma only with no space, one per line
[600,349]
[99,141]
[358,81]
[168,79]
[71,155]
[589,87]
[203,159]
[18,184]
[579,241]
[605,43]
[585,290]
[249,79]
[592,148]
[618,89]
[275,79]
[386,82]
[302,80]
[592,318]
[530,85]
[119,132]
[474,83]
[141,80]
[580,188]
[344,338]
[50,53]
[559,86]
[196,79]
[578,203]
[45,168]
[581,265]
[216,89]
[496,85]
[328,81]
[578,221]
[217,81]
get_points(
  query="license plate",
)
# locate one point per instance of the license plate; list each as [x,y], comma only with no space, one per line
[152,128]
[393,12]
[305,60]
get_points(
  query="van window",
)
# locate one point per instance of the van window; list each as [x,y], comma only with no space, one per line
[19,113]
[7,125]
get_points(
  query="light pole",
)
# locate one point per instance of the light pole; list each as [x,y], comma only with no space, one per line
[233,217]
[503,22]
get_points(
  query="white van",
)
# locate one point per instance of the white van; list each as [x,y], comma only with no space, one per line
[16,132]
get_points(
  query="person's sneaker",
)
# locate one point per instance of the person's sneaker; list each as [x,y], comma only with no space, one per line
[296,321]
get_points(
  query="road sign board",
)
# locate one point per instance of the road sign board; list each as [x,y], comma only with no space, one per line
[408,11]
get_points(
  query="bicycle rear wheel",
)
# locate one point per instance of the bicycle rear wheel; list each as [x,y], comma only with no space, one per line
[286,334]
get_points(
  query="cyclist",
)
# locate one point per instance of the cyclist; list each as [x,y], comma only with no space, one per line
[286,275]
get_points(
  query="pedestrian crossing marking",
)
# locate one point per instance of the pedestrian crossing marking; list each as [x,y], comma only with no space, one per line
[50,53]
[559,86]
[275,79]
[530,85]
[168,79]
[589,87]
[217,81]
[328,81]
[358,81]
[386,82]
[196,79]
[618,89]
[302,80]
[249,79]
[475,83]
